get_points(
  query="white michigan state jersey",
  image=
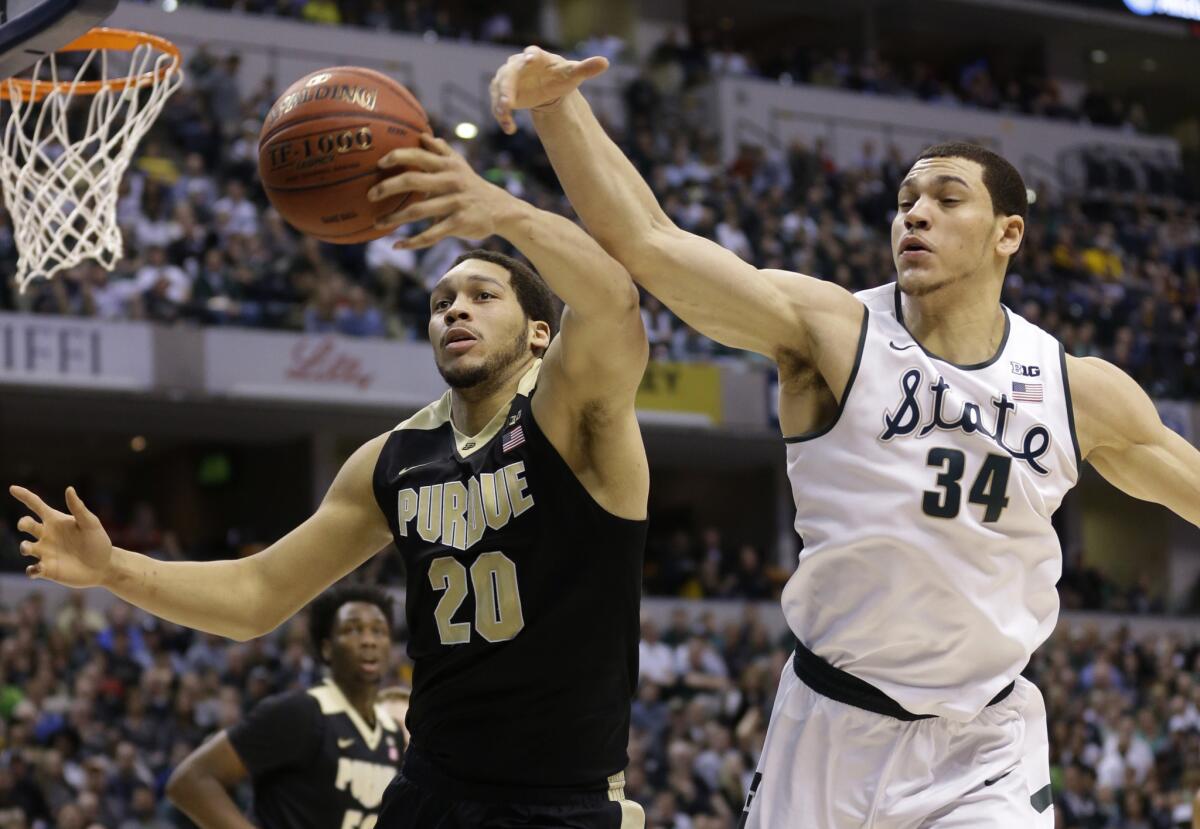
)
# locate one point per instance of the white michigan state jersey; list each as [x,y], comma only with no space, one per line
[929,562]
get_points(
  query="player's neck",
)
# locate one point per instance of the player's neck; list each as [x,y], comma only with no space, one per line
[472,409]
[362,697]
[962,323]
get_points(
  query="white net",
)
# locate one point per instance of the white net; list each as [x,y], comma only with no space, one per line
[63,155]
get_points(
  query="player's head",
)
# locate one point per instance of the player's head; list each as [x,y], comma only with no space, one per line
[960,215]
[488,313]
[351,629]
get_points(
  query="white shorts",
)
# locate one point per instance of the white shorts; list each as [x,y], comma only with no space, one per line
[828,765]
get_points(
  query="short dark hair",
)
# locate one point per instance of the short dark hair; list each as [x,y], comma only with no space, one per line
[537,300]
[324,610]
[1003,182]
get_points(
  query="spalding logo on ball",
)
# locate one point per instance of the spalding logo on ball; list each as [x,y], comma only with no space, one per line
[320,146]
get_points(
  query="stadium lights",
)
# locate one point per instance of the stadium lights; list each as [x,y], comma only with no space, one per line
[1031,195]
[1099,56]
[466,130]
[170,5]
[137,443]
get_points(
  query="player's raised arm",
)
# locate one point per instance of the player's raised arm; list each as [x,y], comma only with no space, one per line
[595,364]
[714,291]
[1121,434]
[241,599]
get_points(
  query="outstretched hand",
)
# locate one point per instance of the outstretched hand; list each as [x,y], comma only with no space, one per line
[459,201]
[71,549]
[536,78]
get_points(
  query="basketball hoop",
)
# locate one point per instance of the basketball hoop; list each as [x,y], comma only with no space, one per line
[59,188]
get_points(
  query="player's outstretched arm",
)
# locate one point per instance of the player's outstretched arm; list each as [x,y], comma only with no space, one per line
[717,293]
[200,785]
[1121,434]
[241,599]
[596,363]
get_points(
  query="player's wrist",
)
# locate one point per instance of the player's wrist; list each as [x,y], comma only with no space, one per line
[509,213]
[554,107]
[119,571]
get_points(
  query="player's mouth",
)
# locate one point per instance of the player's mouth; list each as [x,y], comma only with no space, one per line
[459,339]
[370,665]
[914,249]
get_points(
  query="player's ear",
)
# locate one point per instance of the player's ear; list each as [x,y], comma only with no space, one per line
[539,335]
[326,651]
[1012,231]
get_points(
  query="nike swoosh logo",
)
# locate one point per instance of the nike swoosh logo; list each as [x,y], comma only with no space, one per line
[898,348]
[350,741]
[996,780]
[408,469]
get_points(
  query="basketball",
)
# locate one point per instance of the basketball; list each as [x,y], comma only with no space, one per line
[320,146]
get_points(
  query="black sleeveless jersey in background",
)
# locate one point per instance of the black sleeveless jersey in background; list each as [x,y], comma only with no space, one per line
[522,602]
[314,762]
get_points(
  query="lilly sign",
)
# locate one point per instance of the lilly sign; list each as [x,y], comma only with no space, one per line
[1187,9]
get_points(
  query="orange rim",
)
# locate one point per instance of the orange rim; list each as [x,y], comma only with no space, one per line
[100,38]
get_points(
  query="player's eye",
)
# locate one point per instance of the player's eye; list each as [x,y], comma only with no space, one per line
[906,204]
[951,201]
[486,295]
[441,304]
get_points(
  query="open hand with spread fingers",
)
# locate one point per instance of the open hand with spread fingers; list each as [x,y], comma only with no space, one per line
[536,78]
[70,548]
[459,201]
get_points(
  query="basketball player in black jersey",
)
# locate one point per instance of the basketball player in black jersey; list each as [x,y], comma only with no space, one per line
[317,758]
[518,501]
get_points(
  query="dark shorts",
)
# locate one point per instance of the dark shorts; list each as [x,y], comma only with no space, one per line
[431,801]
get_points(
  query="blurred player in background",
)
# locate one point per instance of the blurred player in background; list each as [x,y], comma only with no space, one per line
[931,436]
[320,757]
[518,501]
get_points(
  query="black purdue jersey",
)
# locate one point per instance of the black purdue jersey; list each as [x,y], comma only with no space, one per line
[522,602]
[314,762]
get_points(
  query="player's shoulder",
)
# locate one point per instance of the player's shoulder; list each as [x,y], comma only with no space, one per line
[879,300]
[1094,375]
[289,709]
[428,418]
[297,699]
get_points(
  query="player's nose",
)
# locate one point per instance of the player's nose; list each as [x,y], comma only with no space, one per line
[456,313]
[917,216]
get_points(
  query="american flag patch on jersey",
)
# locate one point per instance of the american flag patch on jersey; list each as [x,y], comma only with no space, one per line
[1031,392]
[512,440]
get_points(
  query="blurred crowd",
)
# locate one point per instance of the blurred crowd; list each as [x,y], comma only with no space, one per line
[709,51]
[1112,272]
[97,707]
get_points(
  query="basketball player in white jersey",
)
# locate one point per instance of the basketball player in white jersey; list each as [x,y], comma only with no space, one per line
[931,434]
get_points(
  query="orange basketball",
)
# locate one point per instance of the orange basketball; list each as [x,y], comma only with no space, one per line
[320,146]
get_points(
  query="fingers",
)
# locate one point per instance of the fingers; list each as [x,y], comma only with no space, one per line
[417,158]
[407,183]
[28,524]
[432,236]
[503,86]
[31,500]
[82,515]
[590,68]
[436,145]
[428,209]
[504,91]
[580,70]
[34,571]
[26,549]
